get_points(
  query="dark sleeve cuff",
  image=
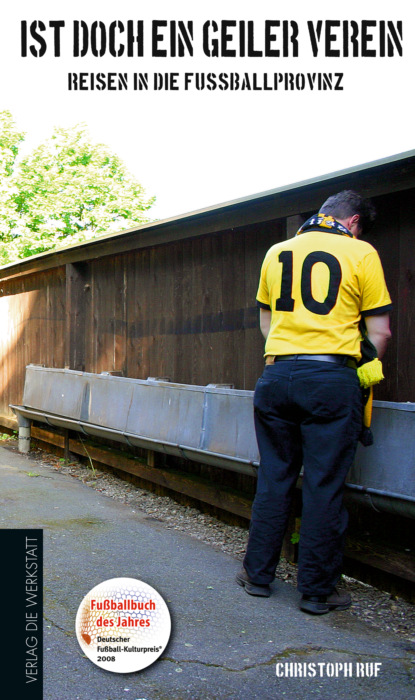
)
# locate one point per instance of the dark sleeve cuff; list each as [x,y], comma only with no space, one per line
[261,305]
[377,312]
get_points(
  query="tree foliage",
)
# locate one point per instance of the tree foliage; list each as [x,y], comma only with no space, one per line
[66,191]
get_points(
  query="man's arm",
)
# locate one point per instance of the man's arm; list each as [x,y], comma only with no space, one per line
[265,321]
[378,331]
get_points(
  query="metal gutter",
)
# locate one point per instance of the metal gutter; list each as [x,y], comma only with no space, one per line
[240,465]
[377,499]
[212,425]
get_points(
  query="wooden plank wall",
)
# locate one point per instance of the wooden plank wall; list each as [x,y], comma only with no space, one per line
[185,310]
[394,236]
[32,313]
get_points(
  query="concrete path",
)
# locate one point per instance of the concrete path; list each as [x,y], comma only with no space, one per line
[225,645]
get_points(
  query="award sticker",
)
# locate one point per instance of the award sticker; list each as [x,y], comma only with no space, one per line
[123,625]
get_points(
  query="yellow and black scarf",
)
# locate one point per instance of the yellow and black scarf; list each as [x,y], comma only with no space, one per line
[321,222]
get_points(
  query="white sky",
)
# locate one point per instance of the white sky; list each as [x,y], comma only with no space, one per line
[195,149]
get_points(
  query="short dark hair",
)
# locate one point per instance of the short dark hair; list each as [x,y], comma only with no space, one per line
[347,203]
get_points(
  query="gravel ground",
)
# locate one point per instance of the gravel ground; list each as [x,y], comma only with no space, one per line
[378,608]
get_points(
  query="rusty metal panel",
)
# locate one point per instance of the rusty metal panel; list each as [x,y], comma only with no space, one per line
[228,424]
[57,391]
[170,413]
[388,465]
[107,400]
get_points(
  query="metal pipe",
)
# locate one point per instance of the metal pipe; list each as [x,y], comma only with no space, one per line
[24,433]
[382,501]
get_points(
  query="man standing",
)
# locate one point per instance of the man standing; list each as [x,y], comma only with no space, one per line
[314,291]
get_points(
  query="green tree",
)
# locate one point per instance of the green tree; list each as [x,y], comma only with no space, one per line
[10,138]
[66,191]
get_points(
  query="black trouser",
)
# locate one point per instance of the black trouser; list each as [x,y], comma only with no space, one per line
[310,413]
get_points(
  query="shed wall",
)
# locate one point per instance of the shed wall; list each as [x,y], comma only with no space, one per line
[185,308]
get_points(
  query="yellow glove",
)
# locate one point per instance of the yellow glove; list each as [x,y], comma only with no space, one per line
[370,373]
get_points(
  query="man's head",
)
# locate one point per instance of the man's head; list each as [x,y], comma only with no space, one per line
[354,212]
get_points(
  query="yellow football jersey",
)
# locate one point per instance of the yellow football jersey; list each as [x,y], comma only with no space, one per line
[318,285]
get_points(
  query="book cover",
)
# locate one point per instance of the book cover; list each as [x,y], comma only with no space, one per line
[205,103]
